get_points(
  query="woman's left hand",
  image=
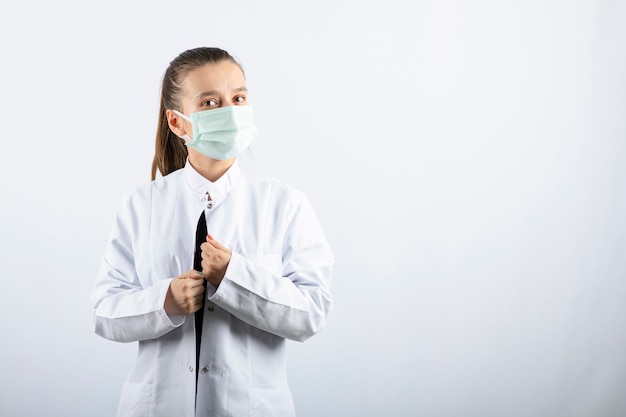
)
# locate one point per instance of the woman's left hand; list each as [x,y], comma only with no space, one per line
[215,259]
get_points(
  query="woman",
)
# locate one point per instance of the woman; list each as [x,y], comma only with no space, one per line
[262,268]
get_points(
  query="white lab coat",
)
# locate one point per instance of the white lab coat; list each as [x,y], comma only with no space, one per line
[276,287]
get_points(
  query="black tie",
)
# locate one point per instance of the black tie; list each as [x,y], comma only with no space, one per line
[201,233]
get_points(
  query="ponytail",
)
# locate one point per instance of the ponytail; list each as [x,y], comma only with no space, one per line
[170,153]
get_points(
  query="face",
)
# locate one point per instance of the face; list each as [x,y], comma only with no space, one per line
[209,87]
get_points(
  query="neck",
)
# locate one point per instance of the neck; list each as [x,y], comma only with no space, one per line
[211,169]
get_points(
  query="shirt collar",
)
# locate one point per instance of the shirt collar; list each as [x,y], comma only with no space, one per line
[217,190]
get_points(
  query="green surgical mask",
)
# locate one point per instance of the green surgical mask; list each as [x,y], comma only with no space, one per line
[221,133]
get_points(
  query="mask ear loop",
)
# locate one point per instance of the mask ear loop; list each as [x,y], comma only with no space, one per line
[186,138]
[182,115]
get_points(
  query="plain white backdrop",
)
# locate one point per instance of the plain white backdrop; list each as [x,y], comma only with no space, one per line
[467,160]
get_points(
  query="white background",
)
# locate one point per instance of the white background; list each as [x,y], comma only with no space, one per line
[467,160]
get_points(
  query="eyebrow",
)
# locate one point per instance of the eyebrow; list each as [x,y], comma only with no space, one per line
[214,93]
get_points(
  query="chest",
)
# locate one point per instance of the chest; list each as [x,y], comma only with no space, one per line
[246,223]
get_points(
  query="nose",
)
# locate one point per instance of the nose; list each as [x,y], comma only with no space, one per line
[228,102]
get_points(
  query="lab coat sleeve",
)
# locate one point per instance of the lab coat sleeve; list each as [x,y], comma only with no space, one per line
[295,304]
[125,310]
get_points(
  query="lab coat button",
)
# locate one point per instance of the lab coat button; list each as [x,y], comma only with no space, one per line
[205,370]
[210,308]
[191,369]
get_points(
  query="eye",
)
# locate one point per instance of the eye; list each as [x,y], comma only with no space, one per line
[209,103]
[240,99]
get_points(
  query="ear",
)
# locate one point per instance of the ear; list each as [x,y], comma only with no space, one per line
[176,123]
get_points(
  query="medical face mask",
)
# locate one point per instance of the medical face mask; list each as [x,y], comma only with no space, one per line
[221,133]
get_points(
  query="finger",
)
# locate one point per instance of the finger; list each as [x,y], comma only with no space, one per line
[195,292]
[193,300]
[200,288]
[191,274]
[197,299]
[217,245]
[207,247]
[200,275]
[197,287]
[194,276]
[191,285]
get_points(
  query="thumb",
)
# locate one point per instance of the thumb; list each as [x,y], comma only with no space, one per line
[195,274]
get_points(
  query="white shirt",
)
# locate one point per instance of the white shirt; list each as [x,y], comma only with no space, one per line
[276,287]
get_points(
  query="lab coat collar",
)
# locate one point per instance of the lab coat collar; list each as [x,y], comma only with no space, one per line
[218,190]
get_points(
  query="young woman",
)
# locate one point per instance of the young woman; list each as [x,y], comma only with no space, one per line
[211,330]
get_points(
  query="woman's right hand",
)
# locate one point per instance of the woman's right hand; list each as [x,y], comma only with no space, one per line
[185,294]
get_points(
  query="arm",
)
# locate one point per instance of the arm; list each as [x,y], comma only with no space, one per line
[125,309]
[295,304]
[125,312]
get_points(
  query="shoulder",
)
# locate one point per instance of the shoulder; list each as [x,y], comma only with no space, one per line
[274,187]
[276,196]
[144,194]
[163,184]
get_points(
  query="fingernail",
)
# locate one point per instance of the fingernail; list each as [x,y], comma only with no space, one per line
[210,237]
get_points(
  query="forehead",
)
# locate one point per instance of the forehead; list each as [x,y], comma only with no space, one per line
[223,76]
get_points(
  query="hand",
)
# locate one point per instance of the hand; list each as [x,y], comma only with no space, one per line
[215,259]
[185,294]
